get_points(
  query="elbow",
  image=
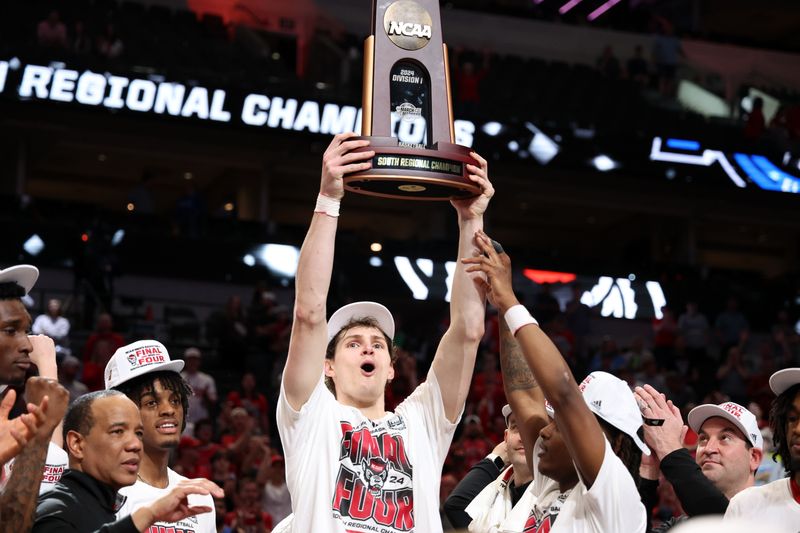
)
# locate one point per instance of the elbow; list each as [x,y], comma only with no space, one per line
[452,506]
[309,315]
[471,331]
[565,393]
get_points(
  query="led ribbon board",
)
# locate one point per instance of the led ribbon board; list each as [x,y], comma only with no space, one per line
[757,169]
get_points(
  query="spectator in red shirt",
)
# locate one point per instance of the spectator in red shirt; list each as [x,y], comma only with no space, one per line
[248,517]
[224,475]
[100,346]
[468,79]
[238,441]
[473,444]
[253,401]
[665,331]
[189,463]
[51,32]
[755,126]
[204,433]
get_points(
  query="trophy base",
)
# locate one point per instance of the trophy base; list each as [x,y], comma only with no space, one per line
[409,173]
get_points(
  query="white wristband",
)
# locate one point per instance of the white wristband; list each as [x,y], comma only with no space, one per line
[517,316]
[327,205]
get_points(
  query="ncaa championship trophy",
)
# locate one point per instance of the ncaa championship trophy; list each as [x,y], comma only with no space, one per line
[407,108]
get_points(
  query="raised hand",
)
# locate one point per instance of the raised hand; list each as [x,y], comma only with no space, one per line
[497,268]
[475,207]
[44,355]
[338,160]
[14,434]
[52,400]
[501,450]
[664,430]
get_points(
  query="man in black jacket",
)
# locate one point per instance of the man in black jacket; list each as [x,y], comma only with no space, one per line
[103,434]
[729,451]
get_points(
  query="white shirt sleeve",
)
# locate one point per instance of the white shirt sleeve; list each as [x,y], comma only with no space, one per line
[613,498]
[61,327]
[426,405]
[297,427]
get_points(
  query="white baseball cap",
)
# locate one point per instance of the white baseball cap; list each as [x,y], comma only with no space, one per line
[738,415]
[611,399]
[357,310]
[23,275]
[135,359]
[506,413]
[782,380]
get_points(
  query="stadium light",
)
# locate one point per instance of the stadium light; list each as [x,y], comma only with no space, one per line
[34,245]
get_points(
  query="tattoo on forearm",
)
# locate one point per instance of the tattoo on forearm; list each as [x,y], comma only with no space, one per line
[18,500]
[517,374]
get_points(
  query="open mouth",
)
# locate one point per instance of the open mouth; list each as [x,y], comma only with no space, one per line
[368,368]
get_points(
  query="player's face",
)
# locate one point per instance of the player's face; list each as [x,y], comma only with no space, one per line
[516,451]
[360,367]
[14,343]
[162,416]
[112,449]
[793,431]
[554,459]
[723,455]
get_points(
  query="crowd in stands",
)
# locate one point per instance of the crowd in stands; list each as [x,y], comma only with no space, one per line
[180,44]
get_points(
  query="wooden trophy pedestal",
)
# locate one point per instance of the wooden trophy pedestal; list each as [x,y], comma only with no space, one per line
[405,173]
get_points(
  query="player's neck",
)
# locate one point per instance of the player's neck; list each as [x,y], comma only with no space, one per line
[568,483]
[732,491]
[153,467]
[372,410]
[522,474]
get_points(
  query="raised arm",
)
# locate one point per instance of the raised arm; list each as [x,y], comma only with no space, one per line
[306,356]
[44,357]
[455,357]
[522,392]
[580,429]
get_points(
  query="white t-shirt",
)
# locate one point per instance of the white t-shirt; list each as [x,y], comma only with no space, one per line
[57,329]
[611,505]
[277,501]
[347,473]
[542,494]
[203,385]
[492,505]
[54,465]
[140,494]
[770,505]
